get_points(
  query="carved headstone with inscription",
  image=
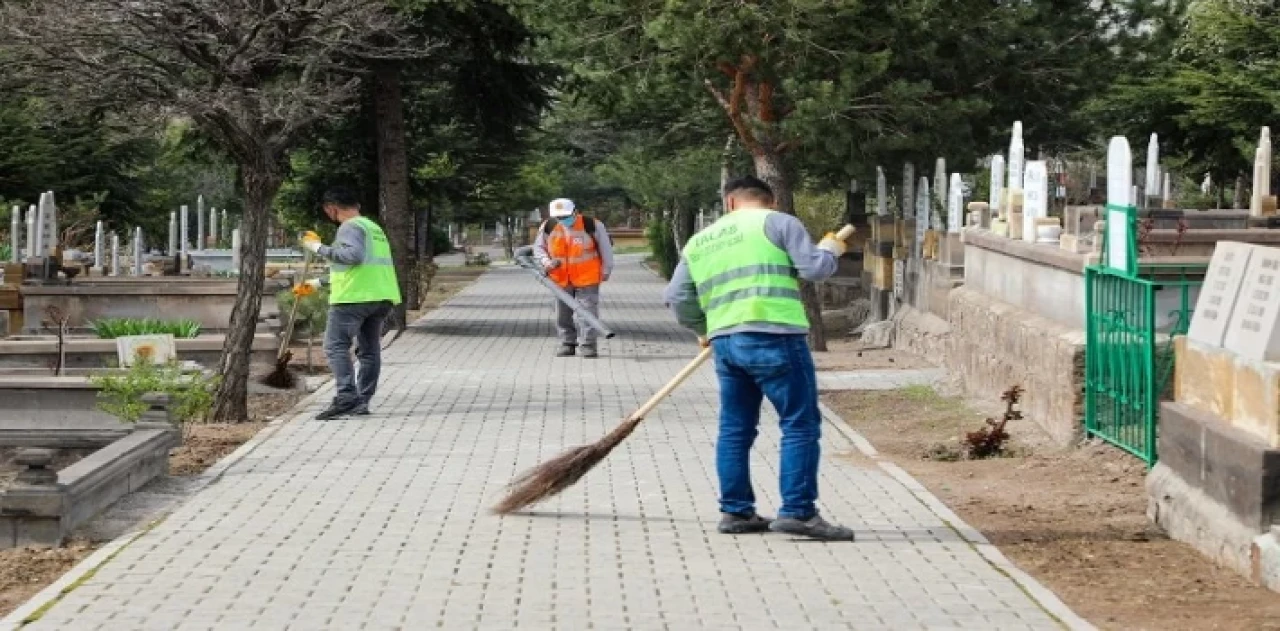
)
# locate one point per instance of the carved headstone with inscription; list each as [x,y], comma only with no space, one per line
[1254,329]
[1218,295]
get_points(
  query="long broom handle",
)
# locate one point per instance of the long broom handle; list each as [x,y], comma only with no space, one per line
[293,311]
[673,384]
[702,357]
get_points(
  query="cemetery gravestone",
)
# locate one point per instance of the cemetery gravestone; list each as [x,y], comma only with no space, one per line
[1219,293]
[1254,330]
[1035,197]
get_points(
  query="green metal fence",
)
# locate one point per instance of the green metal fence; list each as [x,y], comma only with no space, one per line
[1129,349]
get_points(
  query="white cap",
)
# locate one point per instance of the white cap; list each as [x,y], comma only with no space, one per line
[561,207]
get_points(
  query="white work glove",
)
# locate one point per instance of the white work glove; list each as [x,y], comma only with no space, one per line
[306,288]
[311,241]
[833,245]
[551,264]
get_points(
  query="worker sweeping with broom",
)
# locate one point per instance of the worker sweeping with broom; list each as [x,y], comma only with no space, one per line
[736,286]
[362,292]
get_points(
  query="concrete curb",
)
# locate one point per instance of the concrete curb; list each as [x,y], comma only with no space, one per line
[69,581]
[1037,592]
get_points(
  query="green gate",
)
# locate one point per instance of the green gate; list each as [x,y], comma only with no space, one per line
[1128,345]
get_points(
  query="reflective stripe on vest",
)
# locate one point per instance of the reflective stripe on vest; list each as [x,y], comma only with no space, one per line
[374,278]
[576,250]
[741,276]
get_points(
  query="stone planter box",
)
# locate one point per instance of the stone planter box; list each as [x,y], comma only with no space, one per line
[36,353]
[42,507]
[219,261]
[207,301]
[54,412]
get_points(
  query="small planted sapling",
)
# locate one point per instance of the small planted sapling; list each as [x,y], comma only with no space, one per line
[990,440]
[57,319]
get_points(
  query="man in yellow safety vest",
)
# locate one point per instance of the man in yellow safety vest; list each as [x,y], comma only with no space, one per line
[362,292]
[736,286]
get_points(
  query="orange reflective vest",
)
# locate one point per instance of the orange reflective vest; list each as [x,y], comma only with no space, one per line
[576,250]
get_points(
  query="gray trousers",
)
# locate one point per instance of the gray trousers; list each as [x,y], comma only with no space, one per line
[361,322]
[570,327]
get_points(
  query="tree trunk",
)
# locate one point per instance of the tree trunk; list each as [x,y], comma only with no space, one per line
[771,169]
[231,401]
[1237,201]
[393,180]
[726,161]
[683,223]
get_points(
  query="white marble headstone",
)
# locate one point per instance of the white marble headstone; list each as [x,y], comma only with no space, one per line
[1035,197]
[882,193]
[1219,293]
[955,204]
[922,214]
[1254,329]
[1119,197]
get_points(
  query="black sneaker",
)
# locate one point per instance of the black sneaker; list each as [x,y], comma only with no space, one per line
[566,350]
[589,351]
[814,528]
[735,524]
[336,410]
[361,410]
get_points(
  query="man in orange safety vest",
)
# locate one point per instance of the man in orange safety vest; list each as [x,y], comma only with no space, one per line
[577,253]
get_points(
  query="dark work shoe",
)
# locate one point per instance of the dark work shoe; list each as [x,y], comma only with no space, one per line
[735,524]
[589,351]
[336,410]
[566,350]
[361,410]
[814,528]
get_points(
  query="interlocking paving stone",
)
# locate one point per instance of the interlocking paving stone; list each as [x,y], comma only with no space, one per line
[382,522]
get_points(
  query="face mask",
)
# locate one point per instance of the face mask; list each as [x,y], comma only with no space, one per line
[567,221]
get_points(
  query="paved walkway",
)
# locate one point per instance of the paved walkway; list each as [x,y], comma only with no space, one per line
[383,523]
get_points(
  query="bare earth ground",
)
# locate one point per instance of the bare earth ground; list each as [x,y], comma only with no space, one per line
[1075,520]
[849,354]
[24,571]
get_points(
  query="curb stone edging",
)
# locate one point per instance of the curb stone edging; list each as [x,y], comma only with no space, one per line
[1042,596]
[50,595]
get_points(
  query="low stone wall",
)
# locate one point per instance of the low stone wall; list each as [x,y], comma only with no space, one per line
[1218,489]
[84,355]
[42,507]
[988,345]
[207,301]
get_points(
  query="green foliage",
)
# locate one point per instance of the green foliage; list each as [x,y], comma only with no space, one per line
[313,312]
[820,212]
[469,115]
[6,252]
[662,244]
[1207,97]
[82,156]
[835,88]
[121,392]
[112,328]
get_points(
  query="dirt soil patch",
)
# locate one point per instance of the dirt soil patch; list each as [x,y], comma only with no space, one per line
[207,443]
[24,572]
[1075,520]
[851,354]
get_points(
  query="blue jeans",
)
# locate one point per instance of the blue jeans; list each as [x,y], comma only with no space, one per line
[751,367]
[360,322]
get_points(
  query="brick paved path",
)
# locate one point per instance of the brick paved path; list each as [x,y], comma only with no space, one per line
[382,522]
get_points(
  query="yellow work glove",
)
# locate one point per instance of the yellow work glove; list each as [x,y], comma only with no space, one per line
[311,241]
[833,245]
[306,288]
[704,342]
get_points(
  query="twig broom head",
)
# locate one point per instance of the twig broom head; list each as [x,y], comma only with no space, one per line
[553,476]
[280,376]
